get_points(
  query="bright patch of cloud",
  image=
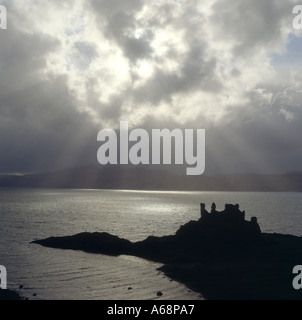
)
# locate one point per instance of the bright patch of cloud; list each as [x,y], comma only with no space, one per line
[206,64]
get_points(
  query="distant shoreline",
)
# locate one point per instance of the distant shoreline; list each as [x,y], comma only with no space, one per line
[141,190]
[146,179]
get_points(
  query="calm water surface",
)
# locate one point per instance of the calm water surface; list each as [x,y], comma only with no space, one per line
[27,215]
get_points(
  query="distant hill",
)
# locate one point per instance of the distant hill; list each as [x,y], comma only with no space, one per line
[140,178]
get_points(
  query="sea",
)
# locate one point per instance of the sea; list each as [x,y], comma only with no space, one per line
[40,273]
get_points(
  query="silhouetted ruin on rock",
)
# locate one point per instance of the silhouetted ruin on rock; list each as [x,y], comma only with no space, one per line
[227,224]
[214,231]
[221,255]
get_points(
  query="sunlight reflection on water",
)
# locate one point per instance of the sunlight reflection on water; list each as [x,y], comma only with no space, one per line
[27,215]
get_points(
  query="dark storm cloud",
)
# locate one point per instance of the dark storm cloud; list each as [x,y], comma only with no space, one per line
[116,6]
[68,70]
[254,24]
[40,128]
[196,73]
[120,26]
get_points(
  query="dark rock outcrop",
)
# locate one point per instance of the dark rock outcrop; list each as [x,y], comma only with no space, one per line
[221,255]
[103,243]
[213,231]
[9,295]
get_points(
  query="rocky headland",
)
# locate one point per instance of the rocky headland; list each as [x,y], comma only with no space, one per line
[222,255]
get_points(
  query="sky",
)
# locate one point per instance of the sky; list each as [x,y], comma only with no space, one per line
[70,68]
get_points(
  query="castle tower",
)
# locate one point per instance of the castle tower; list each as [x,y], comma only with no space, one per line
[213,207]
[203,210]
[254,220]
